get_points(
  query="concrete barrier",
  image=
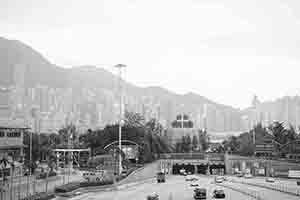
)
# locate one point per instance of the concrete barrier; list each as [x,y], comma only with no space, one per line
[253,194]
[275,187]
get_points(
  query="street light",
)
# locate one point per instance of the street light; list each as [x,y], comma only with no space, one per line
[119,67]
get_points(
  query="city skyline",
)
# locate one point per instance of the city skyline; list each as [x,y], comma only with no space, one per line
[235,51]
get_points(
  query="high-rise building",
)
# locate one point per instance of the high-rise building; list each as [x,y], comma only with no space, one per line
[5,103]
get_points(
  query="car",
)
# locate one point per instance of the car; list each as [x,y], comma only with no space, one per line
[191,178]
[200,193]
[124,173]
[194,184]
[219,194]
[248,176]
[270,180]
[219,179]
[239,174]
[161,177]
[153,197]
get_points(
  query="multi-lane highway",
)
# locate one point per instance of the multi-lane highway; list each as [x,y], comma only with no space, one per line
[176,188]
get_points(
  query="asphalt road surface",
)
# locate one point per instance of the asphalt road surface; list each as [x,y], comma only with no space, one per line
[175,188]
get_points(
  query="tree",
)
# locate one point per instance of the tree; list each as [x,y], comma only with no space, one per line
[135,129]
[134,119]
[68,134]
[232,144]
[3,163]
[188,143]
[203,140]
[246,146]
[194,143]
[291,134]
[279,132]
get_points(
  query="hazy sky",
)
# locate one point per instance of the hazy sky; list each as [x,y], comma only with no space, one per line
[224,50]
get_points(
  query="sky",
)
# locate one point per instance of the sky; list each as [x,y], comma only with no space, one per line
[227,51]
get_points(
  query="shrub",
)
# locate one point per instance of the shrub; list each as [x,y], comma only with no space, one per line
[40,196]
[67,187]
[87,184]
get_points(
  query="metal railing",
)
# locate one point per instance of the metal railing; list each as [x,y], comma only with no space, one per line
[277,187]
[21,187]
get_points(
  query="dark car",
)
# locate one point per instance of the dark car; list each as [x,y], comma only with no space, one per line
[161,177]
[153,197]
[194,184]
[219,194]
[200,193]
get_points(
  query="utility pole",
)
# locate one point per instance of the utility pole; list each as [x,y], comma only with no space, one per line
[297,113]
[119,67]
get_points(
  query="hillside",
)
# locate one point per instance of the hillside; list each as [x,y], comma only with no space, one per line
[37,70]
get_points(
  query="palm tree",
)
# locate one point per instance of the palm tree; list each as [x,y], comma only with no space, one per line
[3,163]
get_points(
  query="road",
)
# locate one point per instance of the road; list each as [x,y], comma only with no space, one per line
[175,188]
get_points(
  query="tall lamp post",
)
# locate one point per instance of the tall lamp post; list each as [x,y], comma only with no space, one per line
[120,67]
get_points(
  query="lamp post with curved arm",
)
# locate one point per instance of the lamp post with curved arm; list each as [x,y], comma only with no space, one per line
[120,67]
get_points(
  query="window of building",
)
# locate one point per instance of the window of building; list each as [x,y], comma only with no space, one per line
[13,134]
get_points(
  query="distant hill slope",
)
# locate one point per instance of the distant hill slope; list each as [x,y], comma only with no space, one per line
[38,70]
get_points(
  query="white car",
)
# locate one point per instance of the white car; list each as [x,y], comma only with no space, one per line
[270,180]
[219,179]
[191,178]
[248,176]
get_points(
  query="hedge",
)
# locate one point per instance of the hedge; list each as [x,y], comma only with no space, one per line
[67,187]
[75,185]
[88,184]
[40,196]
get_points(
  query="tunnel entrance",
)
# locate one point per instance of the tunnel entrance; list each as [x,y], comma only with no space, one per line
[217,169]
[202,169]
[189,168]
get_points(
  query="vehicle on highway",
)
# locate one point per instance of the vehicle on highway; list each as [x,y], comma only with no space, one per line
[182,171]
[124,173]
[219,179]
[153,197]
[161,177]
[194,184]
[239,174]
[270,179]
[219,194]
[191,178]
[200,193]
[184,174]
[248,176]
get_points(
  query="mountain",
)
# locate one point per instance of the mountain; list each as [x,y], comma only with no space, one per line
[37,69]
[23,66]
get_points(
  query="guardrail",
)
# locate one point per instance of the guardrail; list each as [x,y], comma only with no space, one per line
[275,187]
[253,194]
